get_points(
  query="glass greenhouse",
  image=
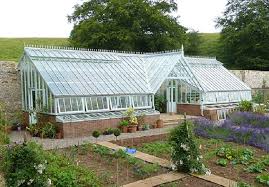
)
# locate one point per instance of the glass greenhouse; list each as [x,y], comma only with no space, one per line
[89,84]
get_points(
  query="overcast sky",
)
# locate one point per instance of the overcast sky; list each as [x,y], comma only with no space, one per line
[48,18]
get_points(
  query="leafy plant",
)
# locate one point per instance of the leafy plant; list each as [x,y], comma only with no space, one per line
[145,170]
[243,184]
[264,179]
[49,130]
[25,165]
[108,131]
[124,123]
[185,152]
[160,103]
[96,134]
[222,162]
[116,133]
[245,106]
[256,168]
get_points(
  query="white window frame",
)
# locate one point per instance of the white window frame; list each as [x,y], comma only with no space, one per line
[118,97]
[98,110]
[70,112]
[149,97]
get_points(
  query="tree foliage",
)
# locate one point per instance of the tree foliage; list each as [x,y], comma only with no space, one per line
[193,43]
[137,25]
[245,34]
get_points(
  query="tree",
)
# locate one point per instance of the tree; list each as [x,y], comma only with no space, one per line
[137,25]
[193,43]
[245,34]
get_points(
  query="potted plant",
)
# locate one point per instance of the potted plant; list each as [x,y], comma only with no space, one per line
[159,123]
[141,121]
[96,134]
[124,126]
[132,120]
[116,133]
[146,127]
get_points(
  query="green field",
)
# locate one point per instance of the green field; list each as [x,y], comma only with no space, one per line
[11,48]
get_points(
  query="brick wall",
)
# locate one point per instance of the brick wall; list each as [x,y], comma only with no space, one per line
[189,109]
[10,91]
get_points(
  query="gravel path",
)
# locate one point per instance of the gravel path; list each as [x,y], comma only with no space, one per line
[17,137]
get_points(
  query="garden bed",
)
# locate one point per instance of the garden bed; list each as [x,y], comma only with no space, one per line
[209,150]
[112,167]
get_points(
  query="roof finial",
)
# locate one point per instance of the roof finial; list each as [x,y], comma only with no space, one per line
[182,49]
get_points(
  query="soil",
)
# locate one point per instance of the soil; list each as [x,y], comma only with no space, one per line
[236,173]
[111,171]
[190,182]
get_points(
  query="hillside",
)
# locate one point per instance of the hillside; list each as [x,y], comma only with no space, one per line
[11,48]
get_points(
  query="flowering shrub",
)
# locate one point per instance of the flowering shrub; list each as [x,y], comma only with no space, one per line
[130,114]
[25,166]
[241,127]
[185,152]
[30,165]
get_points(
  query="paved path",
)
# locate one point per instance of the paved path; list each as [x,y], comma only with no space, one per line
[165,163]
[157,180]
[17,137]
[139,155]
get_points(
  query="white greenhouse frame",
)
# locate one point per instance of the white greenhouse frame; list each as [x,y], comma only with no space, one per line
[69,82]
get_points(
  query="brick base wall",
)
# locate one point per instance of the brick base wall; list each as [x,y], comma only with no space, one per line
[85,128]
[193,110]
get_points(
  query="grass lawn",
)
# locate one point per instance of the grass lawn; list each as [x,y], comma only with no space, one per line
[209,44]
[11,49]
[111,167]
[237,162]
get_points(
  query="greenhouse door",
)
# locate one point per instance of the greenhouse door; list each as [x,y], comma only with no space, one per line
[171,97]
[32,115]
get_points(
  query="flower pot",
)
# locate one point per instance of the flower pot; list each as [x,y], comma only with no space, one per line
[159,123]
[124,129]
[132,128]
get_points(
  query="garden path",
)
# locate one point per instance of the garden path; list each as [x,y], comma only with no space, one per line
[48,144]
[157,180]
[165,163]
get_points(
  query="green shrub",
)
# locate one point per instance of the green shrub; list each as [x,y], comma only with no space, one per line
[108,131]
[116,133]
[222,162]
[185,152]
[4,138]
[28,161]
[96,134]
[123,123]
[48,131]
[264,179]
[245,106]
[25,165]
[160,103]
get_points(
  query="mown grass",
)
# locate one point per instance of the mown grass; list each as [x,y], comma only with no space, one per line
[209,44]
[11,49]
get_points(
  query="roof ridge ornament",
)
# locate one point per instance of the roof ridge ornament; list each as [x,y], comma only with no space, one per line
[100,50]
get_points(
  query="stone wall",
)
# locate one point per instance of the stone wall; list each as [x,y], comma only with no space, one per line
[10,91]
[254,79]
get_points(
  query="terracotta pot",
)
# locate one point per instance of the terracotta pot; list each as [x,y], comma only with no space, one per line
[132,128]
[124,129]
[159,123]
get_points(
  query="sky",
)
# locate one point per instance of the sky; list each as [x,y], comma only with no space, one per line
[48,18]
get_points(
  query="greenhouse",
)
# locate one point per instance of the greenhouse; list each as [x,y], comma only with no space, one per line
[75,85]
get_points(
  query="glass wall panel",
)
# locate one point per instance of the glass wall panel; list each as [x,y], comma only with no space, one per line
[140,101]
[120,102]
[96,103]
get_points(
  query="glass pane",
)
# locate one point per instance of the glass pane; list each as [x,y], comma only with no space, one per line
[67,104]
[74,104]
[94,103]
[61,105]
[100,103]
